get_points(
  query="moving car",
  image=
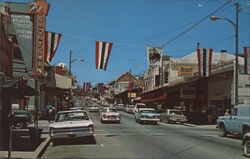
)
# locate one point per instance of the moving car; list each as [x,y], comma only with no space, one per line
[71,124]
[146,115]
[110,114]
[120,107]
[93,108]
[21,118]
[129,108]
[236,123]
[76,108]
[173,116]
[137,106]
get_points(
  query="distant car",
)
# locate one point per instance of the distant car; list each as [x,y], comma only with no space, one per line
[146,115]
[21,118]
[129,108]
[137,106]
[71,124]
[120,107]
[93,108]
[110,114]
[173,116]
[76,108]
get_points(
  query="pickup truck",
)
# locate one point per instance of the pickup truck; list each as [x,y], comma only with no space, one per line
[236,123]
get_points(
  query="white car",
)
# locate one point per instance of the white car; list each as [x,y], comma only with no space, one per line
[146,115]
[93,108]
[110,114]
[71,124]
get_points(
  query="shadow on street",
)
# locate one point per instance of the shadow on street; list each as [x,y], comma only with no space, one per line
[75,141]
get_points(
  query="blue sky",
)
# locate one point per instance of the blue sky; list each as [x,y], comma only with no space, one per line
[133,24]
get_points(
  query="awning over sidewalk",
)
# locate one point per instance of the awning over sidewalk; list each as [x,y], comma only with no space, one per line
[17,88]
[59,81]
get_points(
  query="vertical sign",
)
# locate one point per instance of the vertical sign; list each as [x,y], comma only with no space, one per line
[154,56]
[40,10]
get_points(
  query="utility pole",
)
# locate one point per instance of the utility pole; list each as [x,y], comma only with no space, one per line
[70,56]
[236,53]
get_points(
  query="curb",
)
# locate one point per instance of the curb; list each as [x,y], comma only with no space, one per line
[40,150]
[190,125]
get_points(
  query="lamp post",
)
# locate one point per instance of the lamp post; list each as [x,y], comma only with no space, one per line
[71,61]
[236,28]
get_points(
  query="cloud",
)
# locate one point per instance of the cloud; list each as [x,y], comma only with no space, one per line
[200,5]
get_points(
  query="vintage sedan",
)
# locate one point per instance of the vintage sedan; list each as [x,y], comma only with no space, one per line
[146,115]
[173,116]
[94,108]
[71,124]
[21,118]
[110,114]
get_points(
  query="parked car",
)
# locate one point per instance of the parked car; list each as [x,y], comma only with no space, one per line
[146,115]
[173,116]
[93,108]
[137,106]
[246,144]
[129,108]
[110,114]
[238,122]
[21,118]
[71,124]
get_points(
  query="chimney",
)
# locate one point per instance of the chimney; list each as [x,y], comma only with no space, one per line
[223,56]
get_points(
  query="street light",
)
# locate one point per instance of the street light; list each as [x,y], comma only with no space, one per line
[71,61]
[236,29]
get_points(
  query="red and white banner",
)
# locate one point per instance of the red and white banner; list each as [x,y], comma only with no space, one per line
[103,50]
[247,60]
[204,61]
[52,41]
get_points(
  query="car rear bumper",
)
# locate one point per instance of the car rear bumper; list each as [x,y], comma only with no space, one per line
[71,134]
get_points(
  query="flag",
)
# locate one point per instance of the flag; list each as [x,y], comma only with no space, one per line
[154,56]
[103,50]
[204,61]
[247,60]
[52,43]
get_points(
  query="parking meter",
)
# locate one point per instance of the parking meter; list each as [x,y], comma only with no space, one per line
[11,119]
[11,123]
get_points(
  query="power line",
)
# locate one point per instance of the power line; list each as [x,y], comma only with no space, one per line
[193,26]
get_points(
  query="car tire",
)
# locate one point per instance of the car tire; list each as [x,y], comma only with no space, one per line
[222,131]
[246,147]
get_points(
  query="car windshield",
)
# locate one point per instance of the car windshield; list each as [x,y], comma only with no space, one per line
[72,116]
[147,111]
[109,110]
[175,112]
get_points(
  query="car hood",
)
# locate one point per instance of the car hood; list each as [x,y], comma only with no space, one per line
[111,113]
[69,124]
[149,114]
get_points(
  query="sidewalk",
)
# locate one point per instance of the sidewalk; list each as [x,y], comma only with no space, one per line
[211,126]
[27,151]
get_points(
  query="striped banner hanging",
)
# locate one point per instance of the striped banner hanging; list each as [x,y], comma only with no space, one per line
[247,60]
[204,61]
[103,50]
[52,43]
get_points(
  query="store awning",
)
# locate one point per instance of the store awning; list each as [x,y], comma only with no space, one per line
[59,81]
[17,88]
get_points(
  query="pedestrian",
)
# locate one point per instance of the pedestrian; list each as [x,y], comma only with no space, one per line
[227,112]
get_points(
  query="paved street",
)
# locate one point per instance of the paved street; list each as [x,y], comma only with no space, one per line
[132,140]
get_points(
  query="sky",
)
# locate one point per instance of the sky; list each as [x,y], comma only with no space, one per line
[131,25]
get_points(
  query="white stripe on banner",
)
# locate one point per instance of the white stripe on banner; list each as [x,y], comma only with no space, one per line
[106,54]
[100,55]
[55,42]
[49,46]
